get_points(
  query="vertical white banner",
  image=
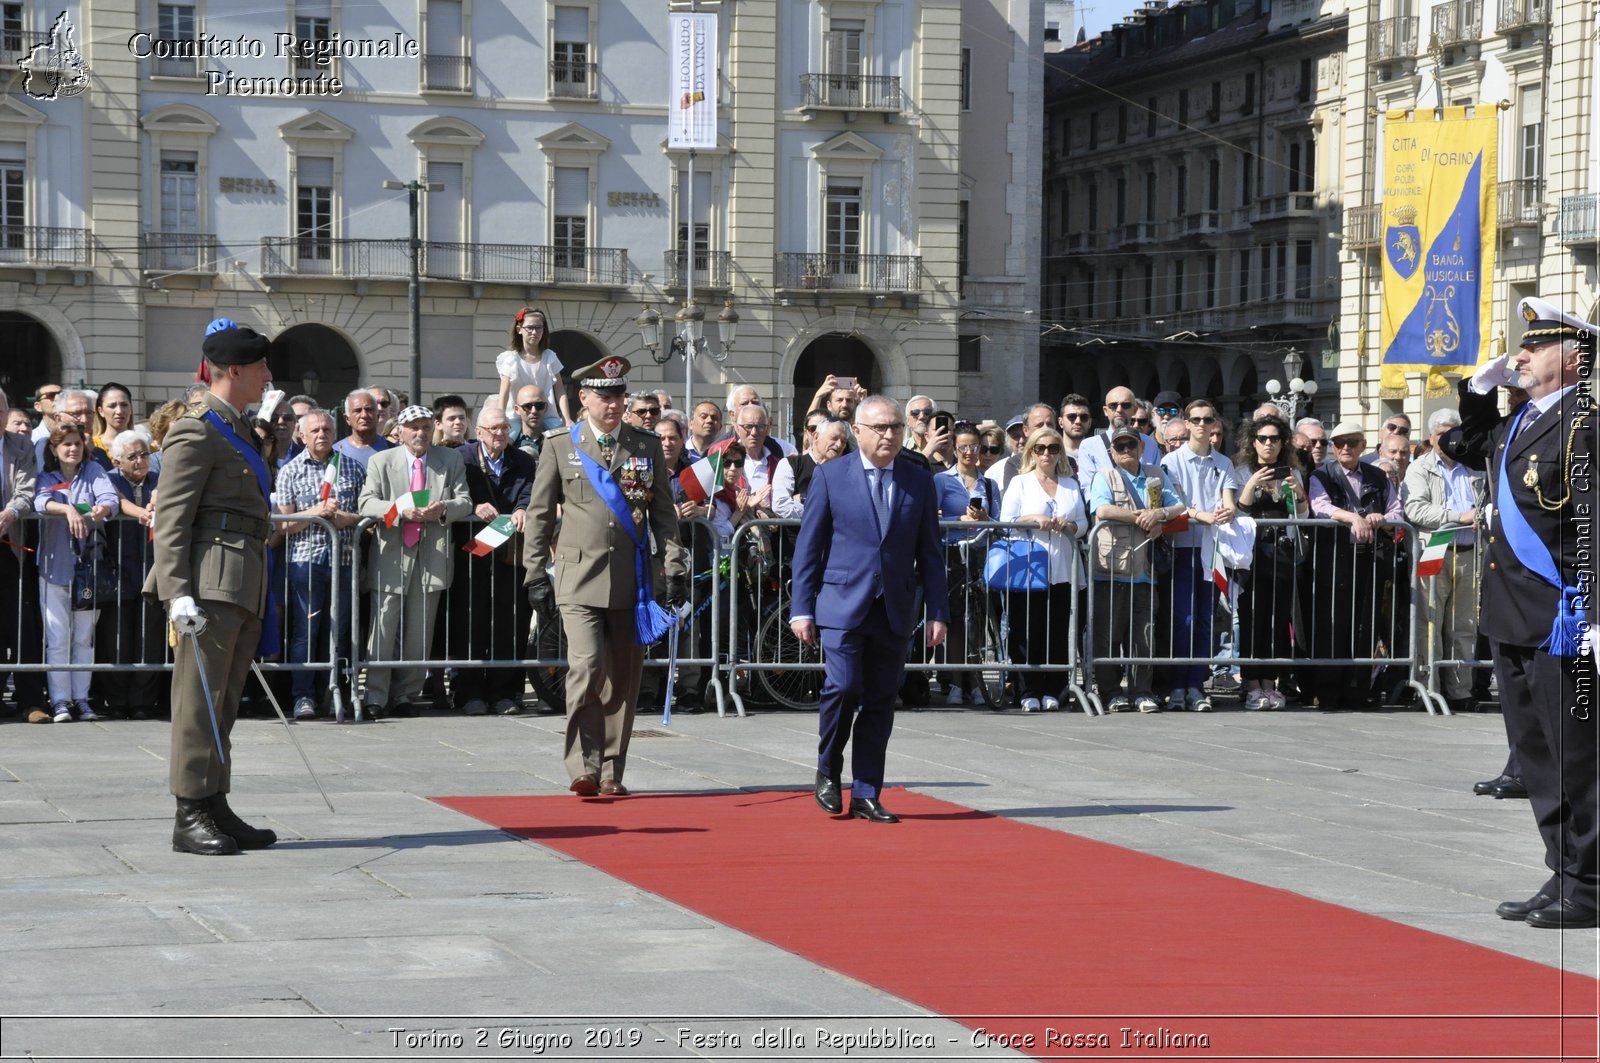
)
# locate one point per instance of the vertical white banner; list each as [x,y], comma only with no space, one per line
[692,96]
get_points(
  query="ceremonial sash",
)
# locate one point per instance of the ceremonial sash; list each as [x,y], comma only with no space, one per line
[1533,554]
[270,644]
[651,621]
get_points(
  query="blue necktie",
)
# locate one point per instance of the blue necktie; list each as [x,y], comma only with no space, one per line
[880,500]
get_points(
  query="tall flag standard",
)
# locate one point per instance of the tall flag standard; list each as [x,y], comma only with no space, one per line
[1439,223]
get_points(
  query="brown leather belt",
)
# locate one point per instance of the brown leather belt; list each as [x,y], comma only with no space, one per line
[217,520]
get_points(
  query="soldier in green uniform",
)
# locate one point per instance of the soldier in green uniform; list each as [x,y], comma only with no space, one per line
[210,569]
[614,491]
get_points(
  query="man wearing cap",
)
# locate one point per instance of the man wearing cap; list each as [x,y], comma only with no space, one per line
[1094,454]
[1165,408]
[412,558]
[1346,564]
[1537,591]
[614,491]
[210,568]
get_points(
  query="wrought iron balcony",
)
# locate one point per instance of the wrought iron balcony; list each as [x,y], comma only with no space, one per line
[851,92]
[712,269]
[1458,22]
[17,45]
[1579,222]
[1522,14]
[43,246]
[447,73]
[1284,205]
[1522,201]
[523,264]
[1392,38]
[178,252]
[836,271]
[1363,227]
[571,80]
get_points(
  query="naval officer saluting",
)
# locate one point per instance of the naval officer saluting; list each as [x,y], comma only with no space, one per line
[618,538]
[1537,591]
[210,568]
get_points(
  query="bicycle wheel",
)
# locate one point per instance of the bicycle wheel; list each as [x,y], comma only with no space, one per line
[996,674]
[550,643]
[776,643]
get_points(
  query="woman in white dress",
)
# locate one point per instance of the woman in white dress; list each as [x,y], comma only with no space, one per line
[529,360]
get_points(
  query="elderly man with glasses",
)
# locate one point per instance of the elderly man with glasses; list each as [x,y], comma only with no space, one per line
[751,424]
[1094,454]
[1345,565]
[1396,431]
[643,410]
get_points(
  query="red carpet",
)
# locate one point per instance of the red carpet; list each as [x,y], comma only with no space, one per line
[978,918]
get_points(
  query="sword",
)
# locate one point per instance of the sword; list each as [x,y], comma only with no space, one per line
[190,627]
[273,698]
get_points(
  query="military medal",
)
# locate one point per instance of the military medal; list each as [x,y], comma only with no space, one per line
[1530,479]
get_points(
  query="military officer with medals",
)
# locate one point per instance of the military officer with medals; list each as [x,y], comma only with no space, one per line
[210,569]
[1537,591]
[614,493]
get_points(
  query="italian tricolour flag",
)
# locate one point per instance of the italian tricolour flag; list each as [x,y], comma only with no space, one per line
[330,476]
[1431,563]
[409,500]
[702,479]
[495,533]
[1219,570]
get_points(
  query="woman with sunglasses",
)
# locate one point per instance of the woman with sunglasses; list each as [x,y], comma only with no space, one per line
[529,360]
[991,447]
[1270,486]
[1045,493]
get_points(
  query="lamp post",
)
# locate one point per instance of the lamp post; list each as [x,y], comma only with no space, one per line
[414,190]
[1298,390]
[690,340]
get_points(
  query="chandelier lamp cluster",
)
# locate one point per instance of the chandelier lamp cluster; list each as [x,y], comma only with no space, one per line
[690,342]
[1288,400]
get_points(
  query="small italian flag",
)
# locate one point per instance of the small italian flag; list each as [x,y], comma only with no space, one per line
[409,500]
[493,535]
[702,479]
[330,476]
[1431,563]
[1219,571]
[82,507]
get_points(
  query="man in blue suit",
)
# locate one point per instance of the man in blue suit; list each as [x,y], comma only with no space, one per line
[869,538]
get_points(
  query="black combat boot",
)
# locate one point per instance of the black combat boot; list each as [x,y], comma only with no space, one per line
[247,836]
[195,831]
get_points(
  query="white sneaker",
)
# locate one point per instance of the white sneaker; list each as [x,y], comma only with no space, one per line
[305,709]
[1051,704]
[1146,703]
[1255,701]
[1178,702]
[63,712]
[1198,702]
[1275,699]
[1118,704]
[1030,705]
[955,697]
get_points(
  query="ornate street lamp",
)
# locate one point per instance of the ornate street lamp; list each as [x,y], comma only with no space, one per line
[690,342]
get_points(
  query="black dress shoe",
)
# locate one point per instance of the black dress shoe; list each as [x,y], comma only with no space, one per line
[1564,915]
[194,831]
[1487,787]
[870,808]
[1517,911]
[244,834]
[1510,787]
[828,795]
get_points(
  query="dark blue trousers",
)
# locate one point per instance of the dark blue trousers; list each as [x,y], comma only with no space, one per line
[862,671]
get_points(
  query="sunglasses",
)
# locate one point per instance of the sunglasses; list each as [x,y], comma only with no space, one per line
[1121,405]
[1141,422]
[48,395]
[1347,444]
[647,411]
[1269,439]
[1127,446]
[926,411]
[1167,411]
[1316,442]
[1397,429]
[1075,416]
[967,448]
[994,450]
[1202,420]
[530,407]
[1047,448]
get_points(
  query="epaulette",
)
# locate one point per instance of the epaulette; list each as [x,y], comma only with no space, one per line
[195,409]
[551,433]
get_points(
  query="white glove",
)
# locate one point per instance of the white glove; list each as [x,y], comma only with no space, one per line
[186,616]
[1495,373]
[270,400]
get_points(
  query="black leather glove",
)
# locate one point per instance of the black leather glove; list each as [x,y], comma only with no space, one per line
[677,591]
[541,596]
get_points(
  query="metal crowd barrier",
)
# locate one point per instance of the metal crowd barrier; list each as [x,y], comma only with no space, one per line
[130,635]
[765,660]
[1336,608]
[481,625]
[1438,657]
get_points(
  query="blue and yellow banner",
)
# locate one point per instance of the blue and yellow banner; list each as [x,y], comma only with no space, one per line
[1439,219]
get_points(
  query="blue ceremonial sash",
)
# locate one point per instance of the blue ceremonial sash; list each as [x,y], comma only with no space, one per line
[1533,554]
[270,644]
[651,621]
